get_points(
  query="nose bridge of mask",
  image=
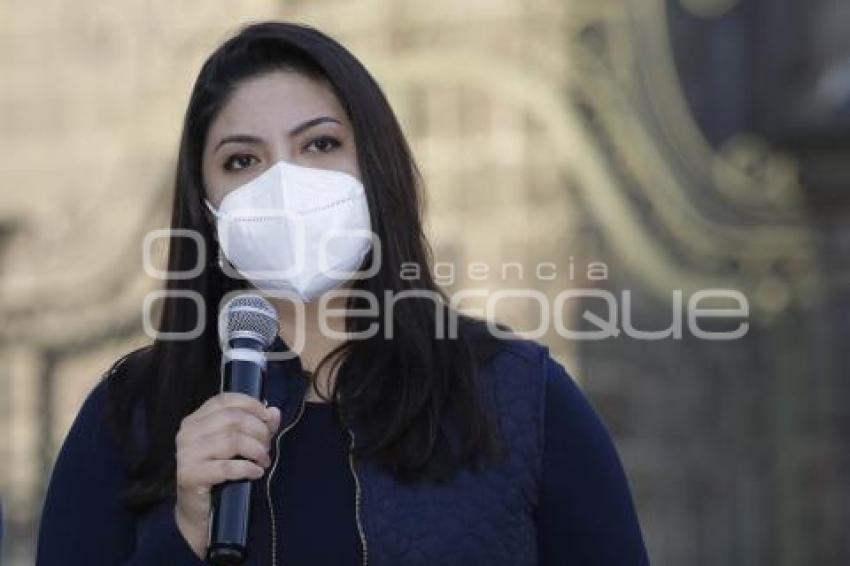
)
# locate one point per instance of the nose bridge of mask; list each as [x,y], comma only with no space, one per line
[285,187]
[308,189]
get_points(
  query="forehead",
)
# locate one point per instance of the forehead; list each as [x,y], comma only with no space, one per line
[278,99]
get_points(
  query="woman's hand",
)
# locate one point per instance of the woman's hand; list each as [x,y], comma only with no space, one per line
[209,442]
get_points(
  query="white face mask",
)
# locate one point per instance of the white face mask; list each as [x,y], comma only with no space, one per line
[295,229]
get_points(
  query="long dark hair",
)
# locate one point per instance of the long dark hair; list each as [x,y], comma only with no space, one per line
[407,388]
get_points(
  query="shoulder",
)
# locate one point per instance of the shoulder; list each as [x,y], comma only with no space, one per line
[508,353]
[88,449]
[529,380]
[112,396]
[527,369]
[95,403]
[523,351]
[515,372]
[496,344]
[120,384]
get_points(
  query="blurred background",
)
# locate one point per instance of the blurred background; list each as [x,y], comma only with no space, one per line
[684,144]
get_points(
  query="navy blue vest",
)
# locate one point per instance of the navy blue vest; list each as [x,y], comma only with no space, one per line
[480,517]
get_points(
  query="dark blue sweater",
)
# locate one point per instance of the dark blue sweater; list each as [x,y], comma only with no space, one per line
[585,516]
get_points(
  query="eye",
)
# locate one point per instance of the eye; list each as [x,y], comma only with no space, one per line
[323,144]
[238,161]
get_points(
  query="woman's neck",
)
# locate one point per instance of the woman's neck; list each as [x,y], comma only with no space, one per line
[303,330]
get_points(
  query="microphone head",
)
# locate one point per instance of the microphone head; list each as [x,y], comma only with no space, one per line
[248,315]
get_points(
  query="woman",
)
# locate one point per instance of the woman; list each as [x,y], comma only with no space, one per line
[381,443]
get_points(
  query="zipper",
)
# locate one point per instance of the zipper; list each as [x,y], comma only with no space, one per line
[271,473]
[357,499]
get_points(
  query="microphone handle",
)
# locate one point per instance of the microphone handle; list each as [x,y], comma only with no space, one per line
[230,508]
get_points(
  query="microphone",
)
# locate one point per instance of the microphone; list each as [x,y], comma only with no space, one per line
[247,326]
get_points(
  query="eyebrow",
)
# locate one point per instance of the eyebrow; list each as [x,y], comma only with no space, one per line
[247,138]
